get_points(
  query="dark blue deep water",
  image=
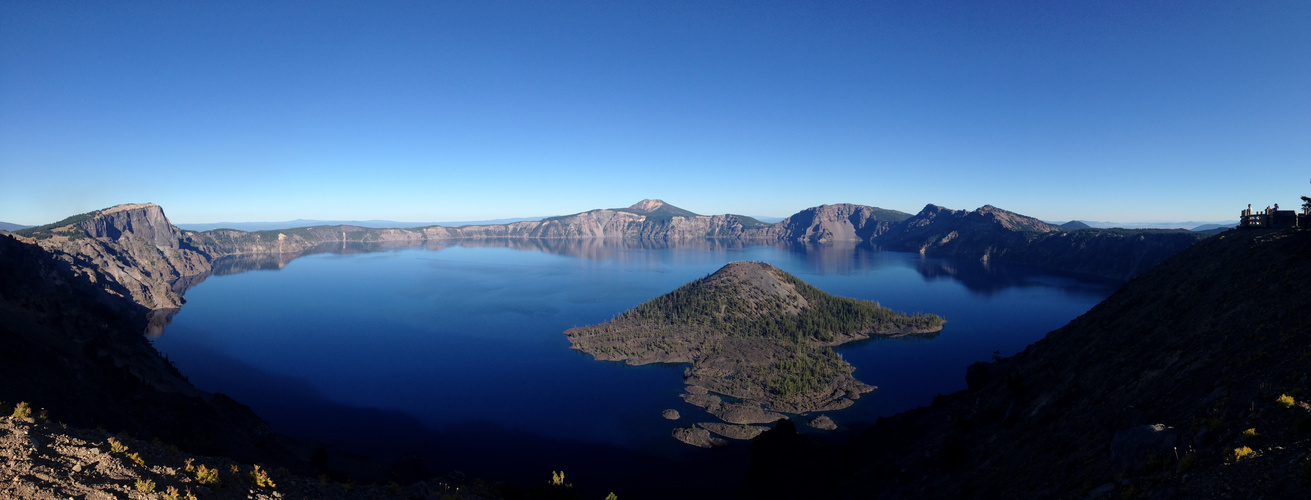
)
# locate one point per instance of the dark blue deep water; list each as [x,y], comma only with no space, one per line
[455,354]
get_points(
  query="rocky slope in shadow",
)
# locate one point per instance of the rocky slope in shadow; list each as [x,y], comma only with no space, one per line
[71,341]
[1188,382]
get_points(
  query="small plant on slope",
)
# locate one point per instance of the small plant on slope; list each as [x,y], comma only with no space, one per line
[261,478]
[1240,453]
[1285,401]
[145,485]
[172,494]
[22,410]
[116,446]
[206,475]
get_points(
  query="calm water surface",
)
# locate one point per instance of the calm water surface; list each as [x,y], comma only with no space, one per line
[464,343]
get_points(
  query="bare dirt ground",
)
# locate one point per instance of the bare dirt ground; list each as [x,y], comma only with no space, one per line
[47,460]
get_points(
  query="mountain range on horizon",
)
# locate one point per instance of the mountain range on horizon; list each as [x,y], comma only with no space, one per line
[385,223]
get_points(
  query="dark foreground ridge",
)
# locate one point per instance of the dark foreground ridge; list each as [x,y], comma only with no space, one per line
[1188,382]
[755,334]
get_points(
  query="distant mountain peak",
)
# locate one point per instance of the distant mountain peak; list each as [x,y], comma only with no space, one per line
[1013,221]
[647,205]
[654,207]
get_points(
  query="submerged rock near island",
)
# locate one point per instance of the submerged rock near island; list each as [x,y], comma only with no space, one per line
[754,335]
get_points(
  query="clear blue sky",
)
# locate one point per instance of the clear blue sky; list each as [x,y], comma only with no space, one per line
[432,111]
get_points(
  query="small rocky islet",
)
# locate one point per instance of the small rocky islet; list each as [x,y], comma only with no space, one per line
[759,344]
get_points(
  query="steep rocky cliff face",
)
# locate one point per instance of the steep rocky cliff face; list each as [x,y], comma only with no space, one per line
[1148,395]
[130,251]
[992,234]
[833,223]
[71,342]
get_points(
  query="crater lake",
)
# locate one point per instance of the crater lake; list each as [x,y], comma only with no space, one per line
[452,356]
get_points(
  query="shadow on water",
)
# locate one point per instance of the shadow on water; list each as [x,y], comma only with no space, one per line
[984,278]
[479,449]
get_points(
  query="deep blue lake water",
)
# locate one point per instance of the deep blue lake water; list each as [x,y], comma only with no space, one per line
[456,353]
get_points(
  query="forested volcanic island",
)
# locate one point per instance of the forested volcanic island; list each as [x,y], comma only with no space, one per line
[755,336]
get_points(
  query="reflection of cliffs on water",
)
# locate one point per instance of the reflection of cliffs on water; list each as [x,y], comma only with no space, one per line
[838,258]
[240,263]
[595,248]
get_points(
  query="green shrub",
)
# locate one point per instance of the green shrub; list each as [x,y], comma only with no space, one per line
[136,458]
[22,410]
[1240,453]
[261,478]
[116,446]
[206,475]
[172,494]
[1285,401]
[145,485]
[1250,433]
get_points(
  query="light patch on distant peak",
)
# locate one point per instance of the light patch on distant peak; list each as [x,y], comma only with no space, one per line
[647,205]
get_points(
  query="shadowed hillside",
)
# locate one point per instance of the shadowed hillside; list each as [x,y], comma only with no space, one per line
[1188,382]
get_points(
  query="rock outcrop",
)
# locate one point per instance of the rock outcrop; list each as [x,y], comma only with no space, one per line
[132,251]
[739,432]
[834,223]
[698,437]
[822,422]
